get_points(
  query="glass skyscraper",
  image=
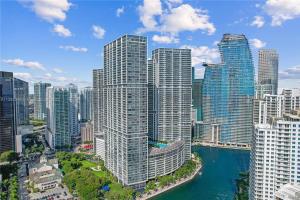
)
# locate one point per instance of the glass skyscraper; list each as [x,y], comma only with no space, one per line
[40,100]
[228,91]
[7,112]
[21,93]
[268,69]
[125,116]
[59,117]
[86,98]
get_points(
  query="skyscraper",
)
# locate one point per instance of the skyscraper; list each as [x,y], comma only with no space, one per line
[86,104]
[21,93]
[40,100]
[125,109]
[170,96]
[74,111]
[274,156]
[7,112]
[228,91]
[268,68]
[197,98]
[59,117]
[98,83]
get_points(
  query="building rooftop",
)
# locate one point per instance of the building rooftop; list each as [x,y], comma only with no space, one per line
[166,147]
[289,191]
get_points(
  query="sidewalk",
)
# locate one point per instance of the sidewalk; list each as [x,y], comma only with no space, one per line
[179,182]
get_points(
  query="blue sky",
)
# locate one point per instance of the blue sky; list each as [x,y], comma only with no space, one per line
[61,41]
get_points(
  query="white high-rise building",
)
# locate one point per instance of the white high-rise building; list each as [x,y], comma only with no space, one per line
[170,96]
[292,99]
[275,156]
[288,192]
[125,119]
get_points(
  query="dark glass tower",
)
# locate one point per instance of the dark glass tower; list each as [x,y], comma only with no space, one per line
[7,112]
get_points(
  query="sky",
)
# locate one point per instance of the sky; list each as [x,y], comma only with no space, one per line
[61,41]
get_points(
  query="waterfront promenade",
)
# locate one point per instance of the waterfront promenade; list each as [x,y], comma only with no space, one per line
[171,186]
[223,145]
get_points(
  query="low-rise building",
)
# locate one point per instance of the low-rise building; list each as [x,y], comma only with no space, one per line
[45,175]
[165,158]
[288,192]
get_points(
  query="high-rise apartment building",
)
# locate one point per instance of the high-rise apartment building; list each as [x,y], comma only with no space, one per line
[228,92]
[7,112]
[74,111]
[125,109]
[291,99]
[275,153]
[59,117]
[21,94]
[40,100]
[268,68]
[86,104]
[170,96]
[98,83]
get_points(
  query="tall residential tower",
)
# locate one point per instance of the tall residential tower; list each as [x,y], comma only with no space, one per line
[125,109]
[170,96]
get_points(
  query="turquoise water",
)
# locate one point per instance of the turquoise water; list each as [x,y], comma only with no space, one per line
[158,144]
[217,182]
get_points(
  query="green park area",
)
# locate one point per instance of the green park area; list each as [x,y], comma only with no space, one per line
[8,170]
[90,180]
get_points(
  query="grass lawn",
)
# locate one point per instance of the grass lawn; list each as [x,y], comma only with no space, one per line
[88,164]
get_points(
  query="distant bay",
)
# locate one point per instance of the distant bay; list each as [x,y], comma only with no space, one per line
[217,181]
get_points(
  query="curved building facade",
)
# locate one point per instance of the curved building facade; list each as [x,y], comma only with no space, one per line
[165,160]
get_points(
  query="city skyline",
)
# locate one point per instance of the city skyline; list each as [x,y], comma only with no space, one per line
[78,48]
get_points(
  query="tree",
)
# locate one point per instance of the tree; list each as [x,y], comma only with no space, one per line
[8,156]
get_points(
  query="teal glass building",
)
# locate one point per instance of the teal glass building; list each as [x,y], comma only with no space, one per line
[228,92]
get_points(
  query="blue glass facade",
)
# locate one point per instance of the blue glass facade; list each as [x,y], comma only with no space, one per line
[228,92]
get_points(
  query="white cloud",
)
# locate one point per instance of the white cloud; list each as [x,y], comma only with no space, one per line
[258,21]
[25,76]
[61,30]
[173,19]
[73,48]
[49,10]
[120,11]
[58,70]
[282,10]
[257,43]
[202,54]
[163,39]
[148,11]
[187,18]
[21,63]
[215,43]
[290,73]
[98,31]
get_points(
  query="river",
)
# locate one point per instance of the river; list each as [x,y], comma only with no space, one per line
[217,182]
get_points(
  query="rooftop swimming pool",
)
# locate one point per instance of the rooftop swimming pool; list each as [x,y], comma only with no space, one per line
[158,144]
